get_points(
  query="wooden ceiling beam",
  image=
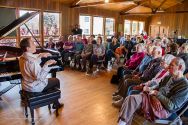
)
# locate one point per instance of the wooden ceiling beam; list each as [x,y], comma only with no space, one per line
[150,13]
[133,6]
[159,6]
[76,2]
[98,3]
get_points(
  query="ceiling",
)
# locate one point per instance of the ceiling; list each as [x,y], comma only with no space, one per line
[125,6]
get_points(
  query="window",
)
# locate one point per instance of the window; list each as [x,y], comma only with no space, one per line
[141,27]
[97,25]
[32,24]
[134,27]
[109,27]
[127,27]
[8,42]
[51,24]
[85,22]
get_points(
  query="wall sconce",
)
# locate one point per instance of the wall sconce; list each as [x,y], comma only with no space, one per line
[106,1]
[159,23]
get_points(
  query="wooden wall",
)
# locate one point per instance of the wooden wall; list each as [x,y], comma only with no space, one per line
[173,21]
[70,16]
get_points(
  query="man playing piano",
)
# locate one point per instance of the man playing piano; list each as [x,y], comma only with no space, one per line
[34,76]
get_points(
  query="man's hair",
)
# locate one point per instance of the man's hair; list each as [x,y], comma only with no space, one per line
[180,61]
[24,44]
[168,58]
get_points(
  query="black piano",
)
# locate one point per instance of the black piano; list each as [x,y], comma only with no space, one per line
[9,65]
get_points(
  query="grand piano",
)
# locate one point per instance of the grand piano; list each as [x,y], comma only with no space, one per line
[9,65]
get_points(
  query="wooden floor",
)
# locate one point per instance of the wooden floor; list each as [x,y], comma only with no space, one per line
[87,101]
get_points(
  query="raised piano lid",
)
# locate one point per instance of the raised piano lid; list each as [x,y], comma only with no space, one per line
[16,23]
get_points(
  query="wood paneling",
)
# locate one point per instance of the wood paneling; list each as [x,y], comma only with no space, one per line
[173,21]
[70,16]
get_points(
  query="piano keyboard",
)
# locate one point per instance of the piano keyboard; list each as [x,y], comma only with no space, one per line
[9,74]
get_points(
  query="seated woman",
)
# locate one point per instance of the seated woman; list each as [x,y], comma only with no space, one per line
[98,54]
[170,96]
[86,54]
[50,44]
[68,49]
[133,62]
[111,48]
[152,84]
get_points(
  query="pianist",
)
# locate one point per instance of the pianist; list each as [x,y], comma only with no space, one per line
[34,76]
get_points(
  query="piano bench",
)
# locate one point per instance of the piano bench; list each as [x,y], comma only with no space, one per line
[35,100]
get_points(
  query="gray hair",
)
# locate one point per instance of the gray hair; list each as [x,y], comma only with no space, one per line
[168,58]
[185,45]
[179,61]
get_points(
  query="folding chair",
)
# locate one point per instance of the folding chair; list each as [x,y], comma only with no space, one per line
[174,119]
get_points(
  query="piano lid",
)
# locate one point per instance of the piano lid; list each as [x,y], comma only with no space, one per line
[16,23]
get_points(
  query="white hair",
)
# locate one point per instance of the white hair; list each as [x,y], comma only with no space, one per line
[168,58]
[141,45]
[158,49]
[180,61]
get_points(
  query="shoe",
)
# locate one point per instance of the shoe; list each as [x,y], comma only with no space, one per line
[83,70]
[121,122]
[117,97]
[118,103]
[89,72]
[115,94]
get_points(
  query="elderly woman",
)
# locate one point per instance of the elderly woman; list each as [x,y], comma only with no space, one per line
[68,48]
[98,53]
[133,62]
[111,47]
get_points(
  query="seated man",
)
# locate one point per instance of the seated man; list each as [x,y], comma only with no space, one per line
[86,54]
[171,95]
[78,47]
[34,76]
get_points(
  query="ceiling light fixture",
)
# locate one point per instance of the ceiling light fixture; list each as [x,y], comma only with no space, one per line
[106,1]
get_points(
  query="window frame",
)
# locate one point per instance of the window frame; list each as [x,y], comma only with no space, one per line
[60,23]
[105,26]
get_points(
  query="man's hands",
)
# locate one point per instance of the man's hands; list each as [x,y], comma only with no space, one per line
[44,55]
[50,62]
[146,89]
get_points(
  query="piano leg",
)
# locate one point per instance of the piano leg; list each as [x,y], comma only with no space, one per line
[53,74]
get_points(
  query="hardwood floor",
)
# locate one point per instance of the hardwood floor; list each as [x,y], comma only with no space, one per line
[87,101]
